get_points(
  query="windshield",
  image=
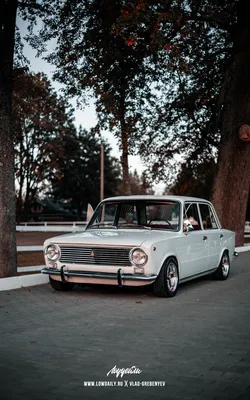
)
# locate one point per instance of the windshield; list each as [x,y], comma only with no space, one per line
[137,214]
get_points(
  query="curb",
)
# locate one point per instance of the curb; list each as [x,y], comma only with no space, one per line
[17,282]
[242,249]
[30,268]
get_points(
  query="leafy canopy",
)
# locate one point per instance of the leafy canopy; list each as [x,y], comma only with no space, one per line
[78,175]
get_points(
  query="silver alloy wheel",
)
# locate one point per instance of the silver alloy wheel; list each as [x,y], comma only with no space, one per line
[172,276]
[225,265]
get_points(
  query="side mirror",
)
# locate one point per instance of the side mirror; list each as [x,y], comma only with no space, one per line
[187,226]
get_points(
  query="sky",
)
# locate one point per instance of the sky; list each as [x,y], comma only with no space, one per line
[87,117]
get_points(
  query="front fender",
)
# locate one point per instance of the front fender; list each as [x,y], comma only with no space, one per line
[159,256]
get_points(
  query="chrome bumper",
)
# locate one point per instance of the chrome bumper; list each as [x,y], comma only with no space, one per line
[117,277]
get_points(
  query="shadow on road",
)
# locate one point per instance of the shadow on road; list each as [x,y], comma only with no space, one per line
[128,291]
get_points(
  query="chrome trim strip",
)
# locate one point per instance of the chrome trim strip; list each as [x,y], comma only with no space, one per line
[209,271]
[99,275]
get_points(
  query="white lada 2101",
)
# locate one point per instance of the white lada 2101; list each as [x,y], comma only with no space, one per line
[142,240]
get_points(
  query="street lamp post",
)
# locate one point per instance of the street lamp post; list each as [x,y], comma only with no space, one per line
[102,173]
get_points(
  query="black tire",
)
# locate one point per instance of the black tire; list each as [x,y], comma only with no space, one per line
[62,286]
[223,269]
[165,285]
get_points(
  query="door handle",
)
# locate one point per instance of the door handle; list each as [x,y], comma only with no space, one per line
[221,236]
[204,237]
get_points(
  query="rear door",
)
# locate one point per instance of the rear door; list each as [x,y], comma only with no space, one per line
[213,233]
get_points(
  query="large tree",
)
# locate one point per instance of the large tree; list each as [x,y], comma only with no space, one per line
[231,187]
[7,189]
[204,48]
[8,10]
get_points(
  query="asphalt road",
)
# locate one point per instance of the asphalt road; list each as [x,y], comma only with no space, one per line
[197,344]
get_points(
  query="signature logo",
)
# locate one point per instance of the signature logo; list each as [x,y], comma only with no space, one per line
[92,254]
[124,371]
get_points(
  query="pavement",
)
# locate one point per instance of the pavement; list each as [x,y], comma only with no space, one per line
[57,345]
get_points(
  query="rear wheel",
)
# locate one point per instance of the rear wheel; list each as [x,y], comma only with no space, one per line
[167,282]
[62,286]
[223,270]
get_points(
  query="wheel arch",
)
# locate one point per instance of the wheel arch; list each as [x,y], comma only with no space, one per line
[224,250]
[163,285]
[165,260]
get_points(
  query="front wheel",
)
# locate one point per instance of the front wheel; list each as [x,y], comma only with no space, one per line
[223,269]
[167,282]
[62,286]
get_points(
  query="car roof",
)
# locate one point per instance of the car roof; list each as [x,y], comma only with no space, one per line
[157,197]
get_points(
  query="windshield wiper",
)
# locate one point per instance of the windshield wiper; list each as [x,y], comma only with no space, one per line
[103,226]
[134,226]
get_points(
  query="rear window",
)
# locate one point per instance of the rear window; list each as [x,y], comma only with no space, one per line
[207,217]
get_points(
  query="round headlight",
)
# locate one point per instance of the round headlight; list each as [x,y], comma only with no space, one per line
[138,257]
[52,252]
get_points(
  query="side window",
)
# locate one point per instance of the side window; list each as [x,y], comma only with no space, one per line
[207,216]
[191,213]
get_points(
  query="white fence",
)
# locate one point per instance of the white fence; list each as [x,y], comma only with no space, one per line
[51,226]
[48,223]
[247,227]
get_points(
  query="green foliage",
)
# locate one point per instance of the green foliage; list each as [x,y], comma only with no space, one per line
[77,178]
[39,119]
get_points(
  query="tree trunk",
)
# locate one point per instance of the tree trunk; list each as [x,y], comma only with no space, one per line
[231,186]
[7,185]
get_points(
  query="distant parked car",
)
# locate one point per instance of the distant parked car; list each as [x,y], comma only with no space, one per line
[142,240]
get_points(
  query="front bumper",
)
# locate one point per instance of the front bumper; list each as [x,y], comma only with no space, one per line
[119,277]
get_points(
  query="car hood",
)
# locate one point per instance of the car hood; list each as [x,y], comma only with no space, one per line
[108,237]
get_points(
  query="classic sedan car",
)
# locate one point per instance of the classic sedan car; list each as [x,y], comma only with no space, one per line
[142,240]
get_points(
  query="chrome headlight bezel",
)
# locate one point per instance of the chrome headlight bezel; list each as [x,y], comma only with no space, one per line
[143,260]
[54,257]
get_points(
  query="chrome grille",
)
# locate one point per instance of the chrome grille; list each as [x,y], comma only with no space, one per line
[95,256]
